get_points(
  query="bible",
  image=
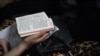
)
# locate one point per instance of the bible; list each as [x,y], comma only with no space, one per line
[31,24]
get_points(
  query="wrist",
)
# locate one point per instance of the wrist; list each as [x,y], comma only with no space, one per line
[25,44]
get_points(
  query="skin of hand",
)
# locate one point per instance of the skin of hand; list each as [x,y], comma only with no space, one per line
[4,44]
[25,44]
[36,38]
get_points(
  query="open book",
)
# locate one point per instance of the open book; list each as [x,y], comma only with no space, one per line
[30,24]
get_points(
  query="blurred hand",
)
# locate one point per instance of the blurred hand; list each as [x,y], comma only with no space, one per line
[3,46]
[36,38]
[30,40]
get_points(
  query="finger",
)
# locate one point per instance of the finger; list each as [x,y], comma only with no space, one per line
[46,29]
[39,34]
[43,37]
[43,32]
[4,45]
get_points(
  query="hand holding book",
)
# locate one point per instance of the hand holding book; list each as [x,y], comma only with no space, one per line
[36,38]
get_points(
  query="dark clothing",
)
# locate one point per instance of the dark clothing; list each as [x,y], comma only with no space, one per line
[30,7]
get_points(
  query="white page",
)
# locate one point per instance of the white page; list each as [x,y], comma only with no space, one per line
[29,24]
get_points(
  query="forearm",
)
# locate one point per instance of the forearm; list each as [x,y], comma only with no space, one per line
[18,50]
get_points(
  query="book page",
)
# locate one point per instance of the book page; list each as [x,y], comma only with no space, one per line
[32,23]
